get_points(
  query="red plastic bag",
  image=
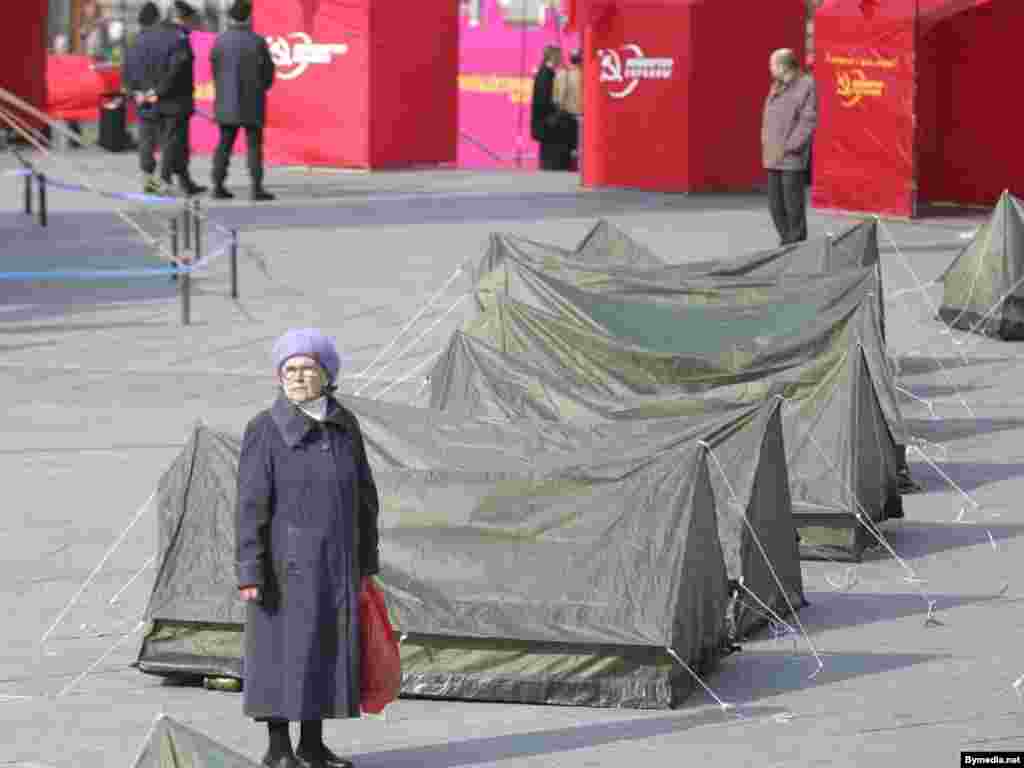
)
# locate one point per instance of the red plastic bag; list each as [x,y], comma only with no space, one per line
[381,663]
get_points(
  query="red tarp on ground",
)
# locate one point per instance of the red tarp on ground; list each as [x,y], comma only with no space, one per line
[361,84]
[674,90]
[23,61]
[916,109]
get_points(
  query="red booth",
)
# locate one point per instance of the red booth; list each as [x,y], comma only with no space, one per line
[918,104]
[23,63]
[360,84]
[674,90]
[75,86]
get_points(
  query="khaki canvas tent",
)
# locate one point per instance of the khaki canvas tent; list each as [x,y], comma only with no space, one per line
[822,351]
[171,744]
[608,247]
[523,562]
[983,289]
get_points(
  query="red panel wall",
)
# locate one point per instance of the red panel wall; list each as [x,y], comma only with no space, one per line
[969,140]
[864,65]
[640,139]
[730,84]
[414,64]
[699,130]
[387,99]
[23,58]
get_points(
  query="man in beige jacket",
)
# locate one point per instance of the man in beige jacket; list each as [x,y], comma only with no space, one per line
[568,96]
[787,130]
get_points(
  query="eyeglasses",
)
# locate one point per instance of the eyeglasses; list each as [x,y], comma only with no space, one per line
[300,371]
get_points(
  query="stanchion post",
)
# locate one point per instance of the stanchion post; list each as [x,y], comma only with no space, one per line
[185,288]
[186,226]
[197,235]
[173,227]
[28,193]
[42,199]
[234,263]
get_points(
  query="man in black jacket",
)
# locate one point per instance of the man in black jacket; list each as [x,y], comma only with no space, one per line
[139,78]
[243,71]
[175,95]
[547,121]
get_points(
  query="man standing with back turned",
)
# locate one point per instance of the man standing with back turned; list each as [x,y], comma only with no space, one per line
[243,71]
[175,92]
[138,76]
[787,130]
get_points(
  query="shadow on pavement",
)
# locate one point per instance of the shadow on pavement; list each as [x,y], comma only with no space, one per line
[969,475]
[945,430]
[838,610]
[914,365]
[753,675]
[542,743]
[913,540]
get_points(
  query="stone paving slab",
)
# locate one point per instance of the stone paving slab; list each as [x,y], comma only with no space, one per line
[101,395]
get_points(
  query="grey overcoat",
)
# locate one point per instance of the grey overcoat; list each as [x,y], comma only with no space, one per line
[787,127]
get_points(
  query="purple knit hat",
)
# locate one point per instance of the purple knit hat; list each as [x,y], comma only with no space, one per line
[308,342]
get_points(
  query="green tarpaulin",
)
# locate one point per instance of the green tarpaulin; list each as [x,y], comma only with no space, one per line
[810,342]
[571,565]
[171,744]
[983,289]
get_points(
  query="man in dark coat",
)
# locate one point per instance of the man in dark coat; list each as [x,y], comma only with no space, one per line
[547,121]
[243,71]
[138,75]
[175,92]
[307,540]
[787,132]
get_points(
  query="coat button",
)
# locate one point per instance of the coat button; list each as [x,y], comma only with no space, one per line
[325,446]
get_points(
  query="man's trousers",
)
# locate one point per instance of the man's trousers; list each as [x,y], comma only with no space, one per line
[787,200]
[175,151]
[254,156]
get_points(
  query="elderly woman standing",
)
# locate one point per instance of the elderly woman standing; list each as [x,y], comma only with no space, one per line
[307,540]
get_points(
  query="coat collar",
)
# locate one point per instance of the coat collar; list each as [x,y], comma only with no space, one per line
[294,425]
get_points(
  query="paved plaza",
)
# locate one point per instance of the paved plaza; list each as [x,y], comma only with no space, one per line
[919,653]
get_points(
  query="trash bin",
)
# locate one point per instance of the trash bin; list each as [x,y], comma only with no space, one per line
[114,124]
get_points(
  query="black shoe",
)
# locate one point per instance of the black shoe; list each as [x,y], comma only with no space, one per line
[190,188]
[220,193]
[324,758]
[281,761]
[261,195]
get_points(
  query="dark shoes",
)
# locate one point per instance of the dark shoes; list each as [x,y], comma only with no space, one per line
[190,188]
[323,758]
[282,761]
[221,193]
[261,195]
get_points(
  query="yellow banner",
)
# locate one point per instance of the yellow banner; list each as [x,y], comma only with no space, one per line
[518,89]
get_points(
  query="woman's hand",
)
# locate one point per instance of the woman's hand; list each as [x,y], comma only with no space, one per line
[249,594]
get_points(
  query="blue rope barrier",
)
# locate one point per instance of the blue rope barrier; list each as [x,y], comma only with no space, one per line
[129,196]
[100,274]
[113,274]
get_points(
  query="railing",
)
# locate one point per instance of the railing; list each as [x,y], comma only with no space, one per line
[184,233]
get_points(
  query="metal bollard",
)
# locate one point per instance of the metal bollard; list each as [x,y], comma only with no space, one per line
[234,263]
[197,235]
[173,226]
[185,288]
[28,193]
[42,199]
[186,226]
